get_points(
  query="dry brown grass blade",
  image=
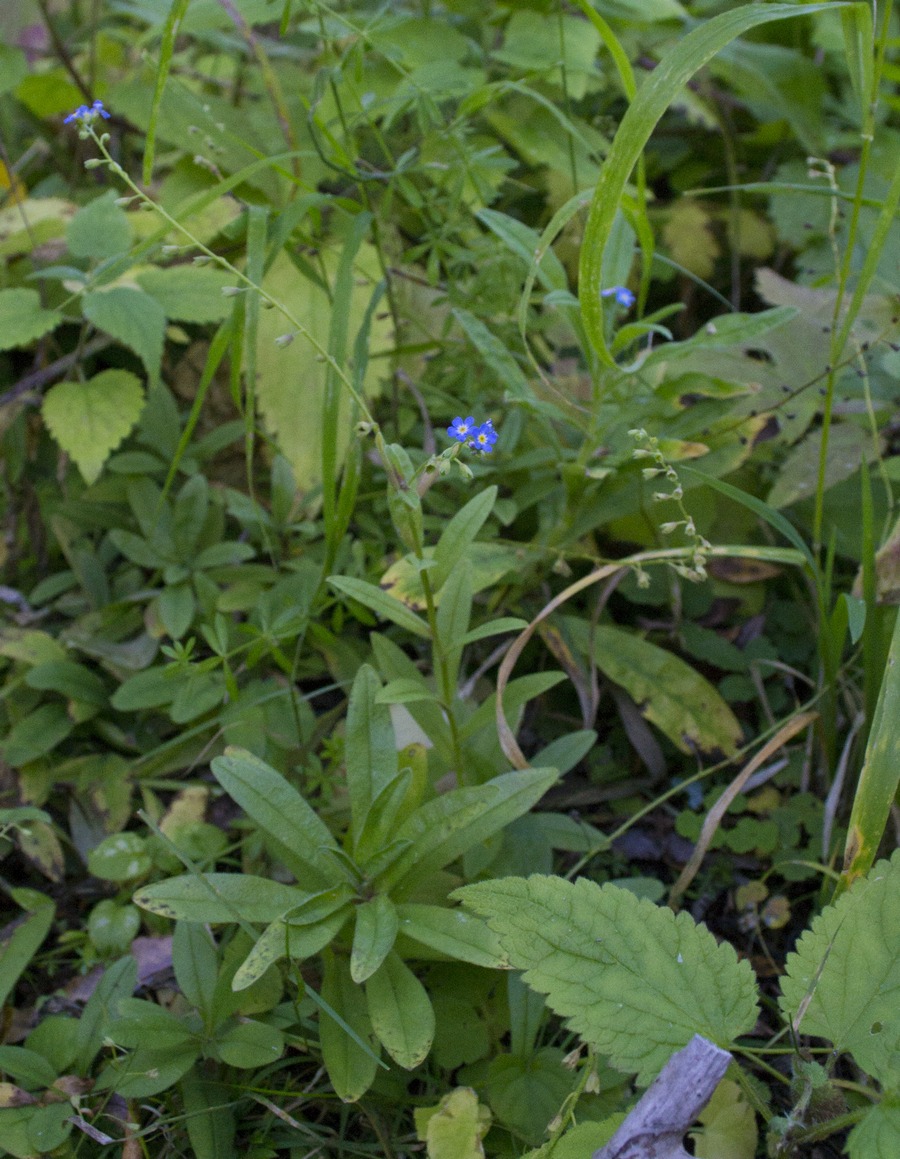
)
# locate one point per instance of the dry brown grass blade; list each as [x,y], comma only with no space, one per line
[717,812]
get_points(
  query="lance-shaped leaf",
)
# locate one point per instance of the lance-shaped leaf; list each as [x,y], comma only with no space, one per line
[401,1012]
[843,981]
[371,746]
[303,840]
[444,828]
[633,980]
[219,897]
[451,932]
[373,937]
[351,1067]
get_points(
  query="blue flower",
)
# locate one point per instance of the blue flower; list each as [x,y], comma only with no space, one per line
[87,113]
[461,429]
[483,438]
[622,294]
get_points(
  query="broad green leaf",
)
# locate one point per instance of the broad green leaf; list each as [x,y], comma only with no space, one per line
[20,943]
[452,932]
[120,857]
[209,1119]
[370,745]
[291,378]
[632,979]
[849,446]
[132,318]
[459,534]
[455,1127]
[687,56]
[196,965]
[26,1067]
[529,47]
[728,1125]
[90,419]
[99,230]
[277,807]
[350,1067]
[843,980]
[23,318]
[70,679]
[119,981]
[188,293]
[373,936]
[401,1012]
[140,1022]
[219,897]
[383,605]
[444,828]
[672,695]
[249,1045]
[144,1072]
[878,1135]
[527,1090]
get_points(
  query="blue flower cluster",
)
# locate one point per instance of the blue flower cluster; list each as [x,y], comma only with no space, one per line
[622,294]
[477,438]
[84,114]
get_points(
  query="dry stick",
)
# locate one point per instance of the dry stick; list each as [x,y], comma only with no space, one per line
[717,812]
[657,1125]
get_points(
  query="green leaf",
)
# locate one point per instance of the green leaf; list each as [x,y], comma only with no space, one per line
[100,229]
[26,1067]
[667,81]
[371,747]
[383,605]
[632,979]
[287,939]
[140,1022]
[208,1117]
[23,318]
[118,981]
[847,968]
[444,828]
[848,447]
[277,807]
[350,1067]
[19,944]
[90,419]
[249,1045]
[120,857]
[36,734]
[496,356]
[142,1073]
[219,897]
[132,318]
[188,293]
[196,965]
[401,1012]
[373,936]
[526,1091]
[453,616]
[671,694]
[877,1136]
[452,932]
[459,534]
[70,679]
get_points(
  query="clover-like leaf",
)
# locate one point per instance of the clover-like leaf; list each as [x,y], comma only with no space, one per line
[632,979]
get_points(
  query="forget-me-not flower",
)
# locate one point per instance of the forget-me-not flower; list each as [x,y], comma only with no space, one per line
[461,429]
[622,294]
[483,438]
[87,113]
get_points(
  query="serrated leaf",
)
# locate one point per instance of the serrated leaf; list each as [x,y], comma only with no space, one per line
[843,980]
[188,293]
[90,419]
[669,693]
[132,318]
[632,979]
[401,1012]
[373,936]
[878,1135]
[100,229]
[23,318]
[219,897]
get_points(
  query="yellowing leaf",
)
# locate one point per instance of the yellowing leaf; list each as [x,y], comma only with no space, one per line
[690,240]
[729,1125]
[455,1127]
[291,379]
[90,419]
